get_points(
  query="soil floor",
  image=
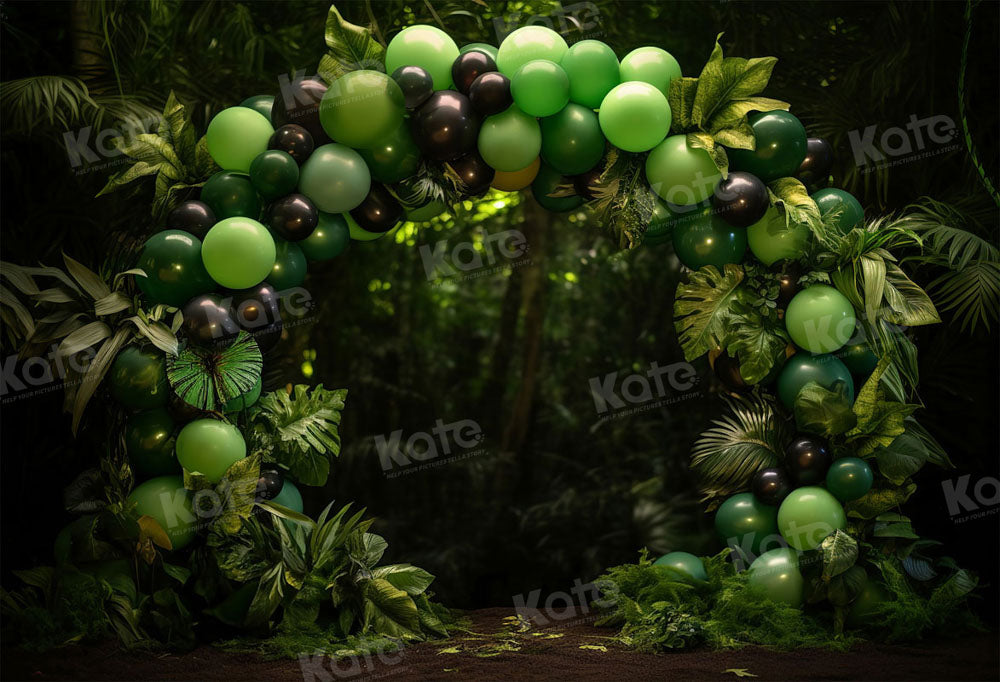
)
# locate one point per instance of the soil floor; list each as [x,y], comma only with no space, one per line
[499,647]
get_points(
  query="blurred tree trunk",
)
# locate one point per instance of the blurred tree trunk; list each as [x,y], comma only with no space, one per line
[88,50]
[496,383]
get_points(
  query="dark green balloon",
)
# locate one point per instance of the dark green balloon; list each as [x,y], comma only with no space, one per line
[262,104]
[781,147]
[858,357]
[242,402]
[138,378]
[747,522]
[331,238]
[572,141]
[174,269]
[149,441]
[865,608]
[849,478]
[394,158]
[231,195]
[289,269]
[801,368]
[703,238]
[274,174]
[849,213]
[661,226]
[545,182]
[686,563]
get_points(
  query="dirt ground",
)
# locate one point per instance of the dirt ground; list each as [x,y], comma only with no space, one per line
[499,647]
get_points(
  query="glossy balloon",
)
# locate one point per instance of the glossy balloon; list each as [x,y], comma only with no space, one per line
[527,44]
[771,240]
[777,574]
[807,459]
[572,142]
[231,195]
[427,47]
[490,94]
[292,217]
[846,210]
[468,67]
[770,485]
[512,181]
[209,321]
[665,219]
[788,282]
[379,212]
[336,178]
[258,312]
[446,126]
[781,146]
[289,497]
[415,84]
[680,174]
[815,168]
[703,238]
[330,238]
[359,233]
[149,442]
[808,515]
[746,522]
[361,108]
[294,140]
[857,355]
[235,137]
[174,270]
[540,88]
[476,175]
[270,483]
[801,368]
[686,563]
[262,104]
[210,447]
[394,158]
[510,141]
[741,199]
[290,266]
[592,68]
[849,478]
[546,182]
[485,48]
[238,252]
[164,499]
[650,65]
[194,217]
[635,117]
[242,402]
[820,319]
[298,103]
[274,173]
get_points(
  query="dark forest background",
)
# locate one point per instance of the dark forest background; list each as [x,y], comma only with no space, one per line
[558,492]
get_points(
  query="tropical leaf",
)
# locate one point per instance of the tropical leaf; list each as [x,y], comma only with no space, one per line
[879,500]
[823,412]
[351,47]
[266,601]
[703,308]
[879,421]
[971,294]
[389,610]
[737,445]
[798,208]
[905,302]
[758,343]
[208,378]
[839,551]
[411,579]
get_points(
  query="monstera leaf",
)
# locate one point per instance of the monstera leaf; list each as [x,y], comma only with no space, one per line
[703,308]
[351,48]
[207,378]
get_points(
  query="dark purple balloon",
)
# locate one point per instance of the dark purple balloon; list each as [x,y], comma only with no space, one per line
[193,216]
[770,486]
[294,140]
[490,94]
[298,103]
[209,321]
[292,217]
[258,311]
[270,483]
[416,84]
[807,459]
[379,212]
[445,127]
[815,168]
[584,181]
[475,173]
[741,199]
[470,66]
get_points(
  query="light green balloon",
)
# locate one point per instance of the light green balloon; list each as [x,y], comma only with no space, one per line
[592,68]
[210,447]
[808,515]
[336,178]
[428,47]
[635,116]
[650,65]
[685,562]
[510,140]
[238,252]
[165,499]
[771,240]
[680,174]
[777,573]
[485,48]
[236,136]
[540,88]
[526,44]
[242,402]
[819,319]
[361,108]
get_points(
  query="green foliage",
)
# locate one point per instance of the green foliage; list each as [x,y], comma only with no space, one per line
[793,200]
[703,308]
[351,47]
[207,378]
[824,412]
